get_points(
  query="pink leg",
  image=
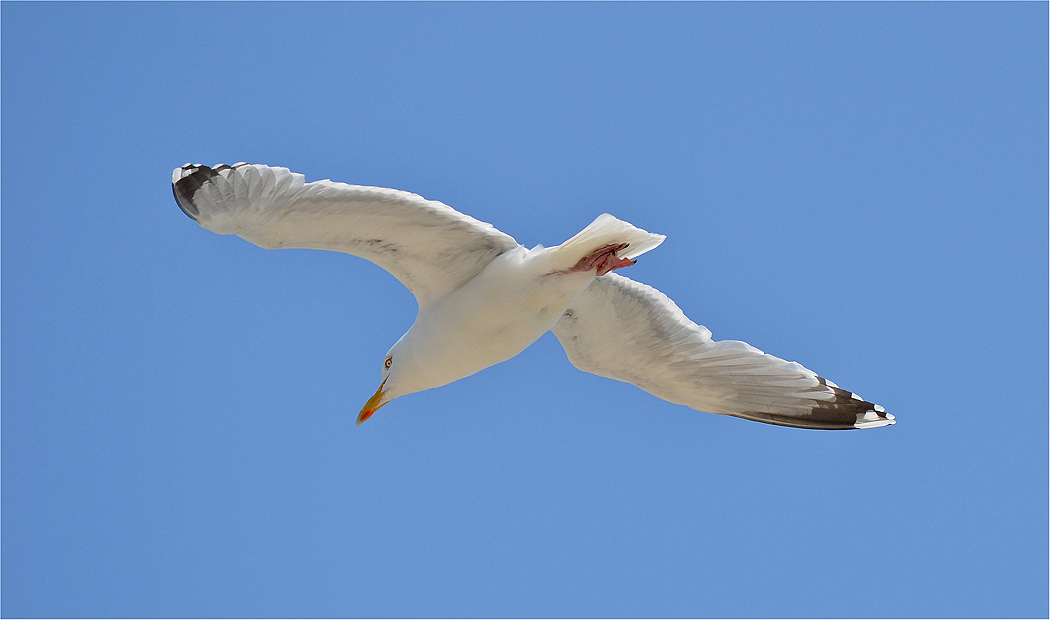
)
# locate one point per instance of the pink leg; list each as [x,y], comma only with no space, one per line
[603,259]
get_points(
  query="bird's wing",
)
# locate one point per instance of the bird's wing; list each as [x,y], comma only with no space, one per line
[624,330]
[430,247]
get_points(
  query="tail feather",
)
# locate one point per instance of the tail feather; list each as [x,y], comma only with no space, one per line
[606,230]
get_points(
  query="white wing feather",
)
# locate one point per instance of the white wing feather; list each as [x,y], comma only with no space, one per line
[624,330]
[430,247]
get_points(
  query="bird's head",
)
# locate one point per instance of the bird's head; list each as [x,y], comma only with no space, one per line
[397,380]
[415,364]
[384,394]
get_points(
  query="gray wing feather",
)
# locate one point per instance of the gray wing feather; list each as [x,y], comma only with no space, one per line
[625,330]
[430,247]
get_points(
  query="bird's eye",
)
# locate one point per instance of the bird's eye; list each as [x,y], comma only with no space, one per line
[388,362]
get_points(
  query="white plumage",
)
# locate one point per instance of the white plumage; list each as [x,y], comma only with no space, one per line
[483,298]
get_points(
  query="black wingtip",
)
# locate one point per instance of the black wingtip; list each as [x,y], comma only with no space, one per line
[846,412]
[189,178]
[846,404]
[193,176]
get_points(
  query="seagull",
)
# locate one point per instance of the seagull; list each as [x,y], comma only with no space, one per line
[483,297]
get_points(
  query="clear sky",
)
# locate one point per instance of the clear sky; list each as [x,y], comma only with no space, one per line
[861,188]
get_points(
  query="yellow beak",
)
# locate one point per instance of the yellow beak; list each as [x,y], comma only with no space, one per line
[373,404]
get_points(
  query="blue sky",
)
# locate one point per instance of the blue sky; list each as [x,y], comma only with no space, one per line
[858,187]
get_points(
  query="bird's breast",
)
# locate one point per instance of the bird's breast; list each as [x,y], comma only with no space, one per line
[492,318]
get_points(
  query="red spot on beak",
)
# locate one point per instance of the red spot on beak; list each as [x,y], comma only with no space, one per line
[373,404]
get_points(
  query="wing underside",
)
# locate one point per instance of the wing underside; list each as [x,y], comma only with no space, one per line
[624,330]
[430,247]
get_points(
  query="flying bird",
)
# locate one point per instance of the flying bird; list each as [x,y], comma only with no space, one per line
[483,298]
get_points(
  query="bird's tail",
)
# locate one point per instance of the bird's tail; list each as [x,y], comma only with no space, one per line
[607,230]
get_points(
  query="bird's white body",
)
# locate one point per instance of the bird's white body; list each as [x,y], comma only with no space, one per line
[490,319]
[483,298]
[507,306]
